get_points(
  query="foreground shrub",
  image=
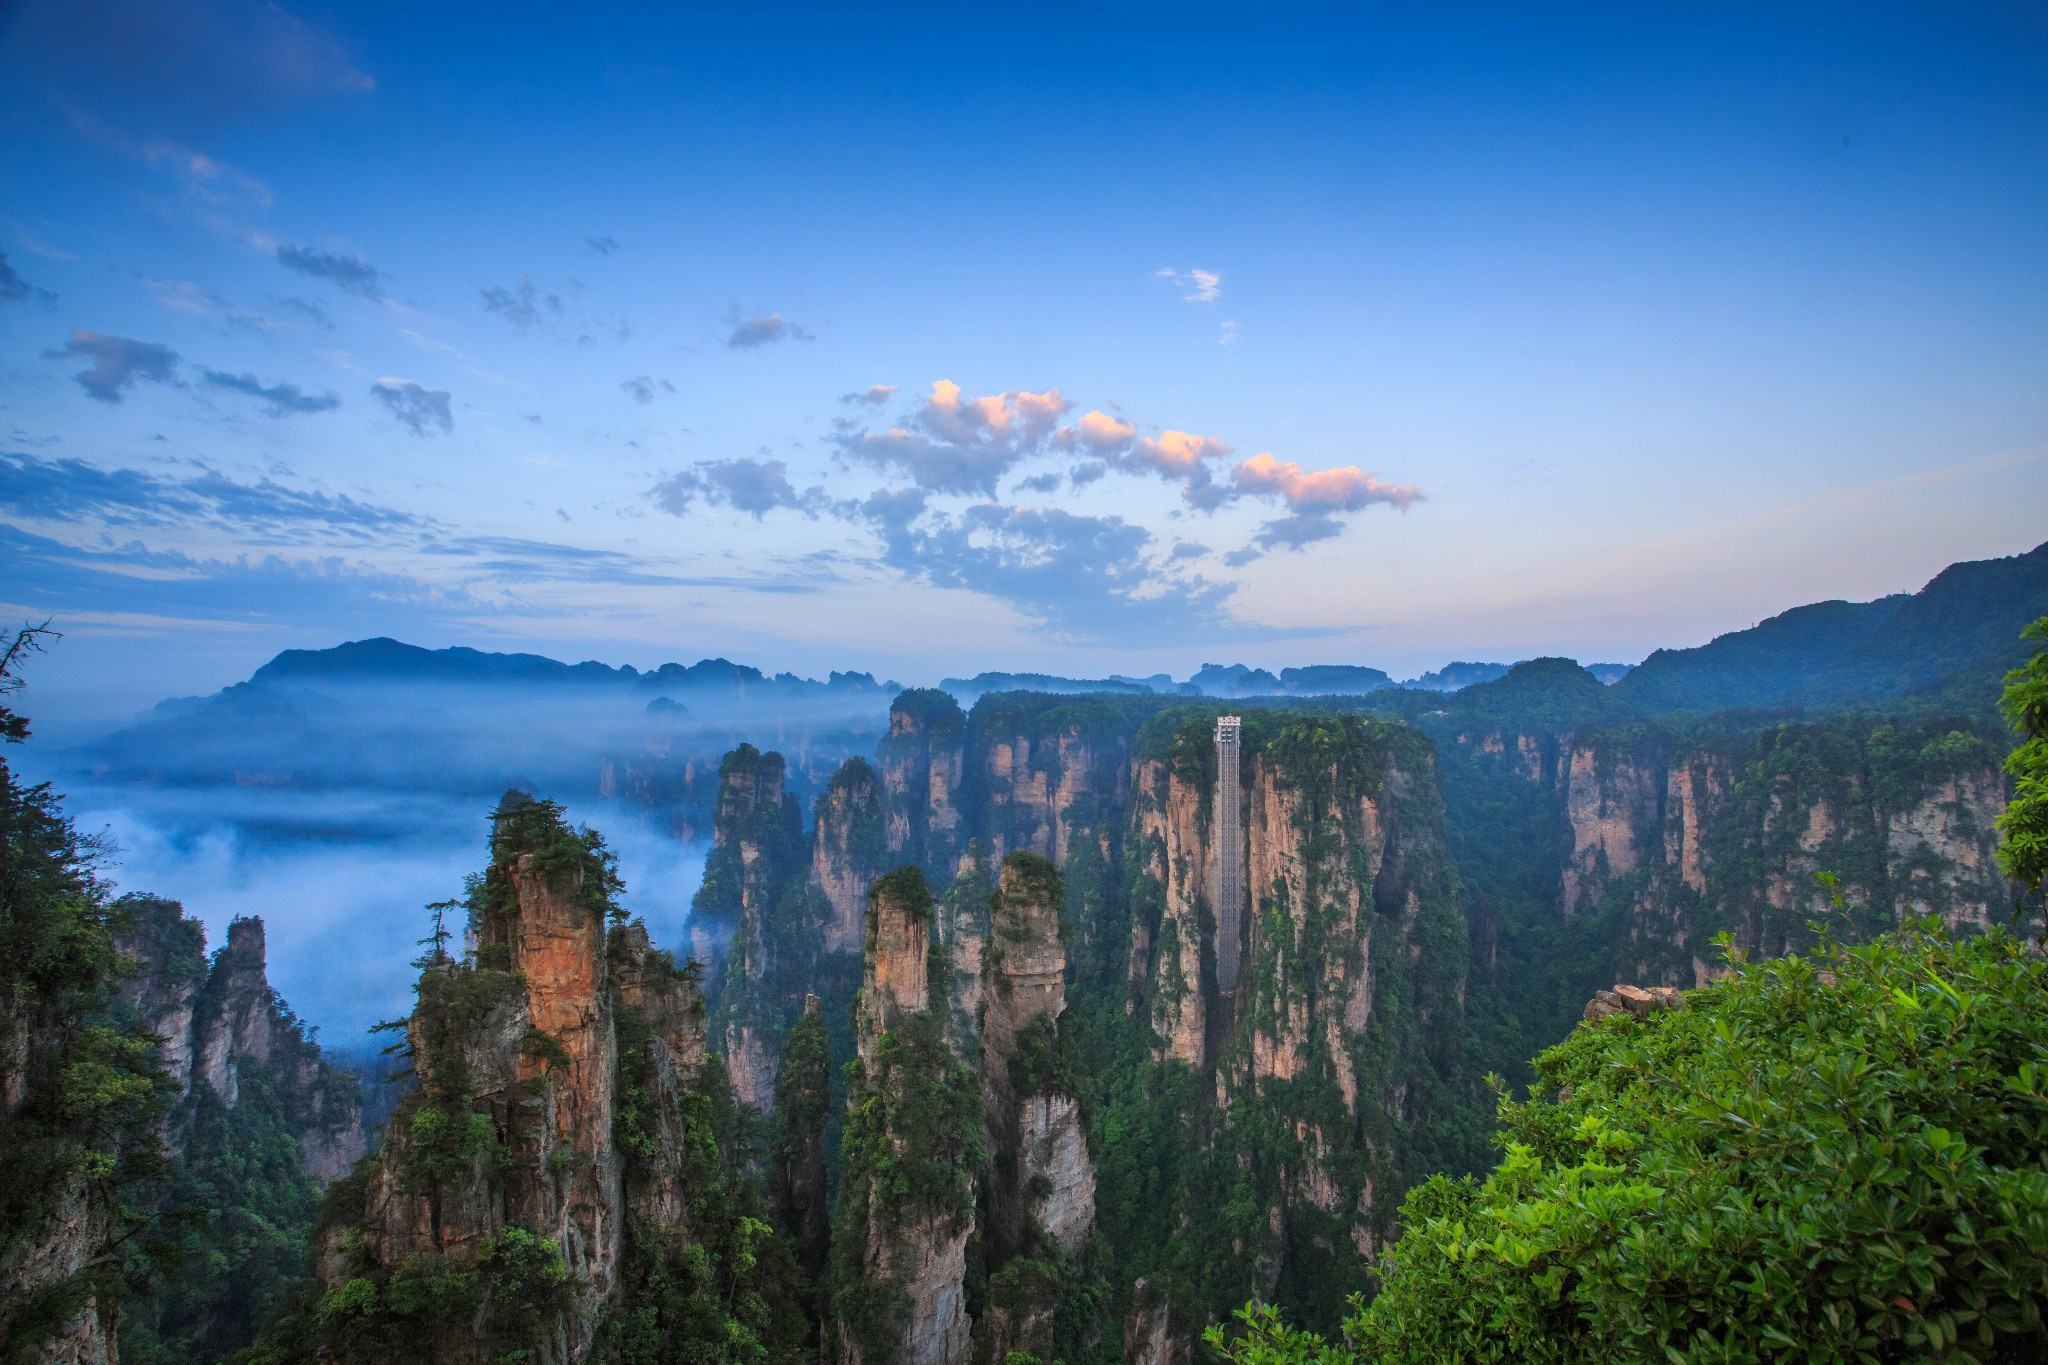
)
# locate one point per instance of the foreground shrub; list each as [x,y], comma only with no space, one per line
[1842,1156]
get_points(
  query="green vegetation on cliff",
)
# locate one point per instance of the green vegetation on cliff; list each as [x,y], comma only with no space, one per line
[79,1142]
[1838,1156]
[2024,853]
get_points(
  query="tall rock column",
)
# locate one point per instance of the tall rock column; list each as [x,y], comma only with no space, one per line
[1039,1192]
[921,761]
[848,850]
[895,981]
[754,882]
[660,1017]
[912,1143]
[503,1165]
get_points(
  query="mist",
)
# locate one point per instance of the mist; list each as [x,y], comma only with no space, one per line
[344,897]
[337,794]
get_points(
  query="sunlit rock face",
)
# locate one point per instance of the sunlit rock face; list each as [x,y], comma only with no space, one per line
[894,975]
[519,1054]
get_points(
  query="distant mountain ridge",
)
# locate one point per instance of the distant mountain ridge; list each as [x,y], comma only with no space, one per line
[384,660]
[1962,628]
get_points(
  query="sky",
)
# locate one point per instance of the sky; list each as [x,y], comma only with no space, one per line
[922,341]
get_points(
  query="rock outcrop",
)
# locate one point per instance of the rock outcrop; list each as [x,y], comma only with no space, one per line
[754,880]
[921,761]
[1040,1191]
[1638,1002]
[895,980]
[756,851]
[570,1178]
[913,1144]
[215,1020]
[849,849]
[506,1162]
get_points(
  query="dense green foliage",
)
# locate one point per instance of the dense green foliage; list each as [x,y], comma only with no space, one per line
[78,1131]
[723,1286]
[797,1176]
[1838,1156]
[2023,854]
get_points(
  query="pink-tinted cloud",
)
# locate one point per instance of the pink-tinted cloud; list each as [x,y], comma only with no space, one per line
[1346,489]
[956,444]
[1178,454]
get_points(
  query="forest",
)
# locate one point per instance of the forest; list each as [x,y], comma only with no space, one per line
[1564,1031]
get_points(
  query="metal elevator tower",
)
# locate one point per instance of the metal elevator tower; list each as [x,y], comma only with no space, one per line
[1229,889]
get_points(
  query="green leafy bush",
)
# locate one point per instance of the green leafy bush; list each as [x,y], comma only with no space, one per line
[2023,855]
[1840,1156]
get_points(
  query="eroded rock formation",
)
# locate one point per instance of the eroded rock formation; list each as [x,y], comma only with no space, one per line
[913,1145]
[921,761]
[754,880]
[549,1121]
[216,1019]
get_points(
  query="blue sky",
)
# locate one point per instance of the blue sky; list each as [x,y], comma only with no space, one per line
[925,340]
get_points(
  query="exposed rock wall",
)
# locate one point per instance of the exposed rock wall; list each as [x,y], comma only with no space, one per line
[755,875]
[895,979]
[513,1124]
[1728,832]
[660,1018]
[1040,1188]
[216,1019]
[1170,839]
[558,1172]
[921,761]
[848,851]
[913,1143]
[962,942]
[1341,1042]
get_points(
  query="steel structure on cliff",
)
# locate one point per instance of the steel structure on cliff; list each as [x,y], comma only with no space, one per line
[1229,853]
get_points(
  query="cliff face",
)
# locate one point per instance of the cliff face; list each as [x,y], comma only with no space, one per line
[1042,1185]
[754,882]
[1172,962]
[660,1020]
[1696,837]
[1038,1191]
[921,761]
[561,1179]
[894,973]
[848,850]
[215,1021]
[912,1143]
[509,1141]
[259,1120]
[1039,779]
[961,942]
[1284,1114]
